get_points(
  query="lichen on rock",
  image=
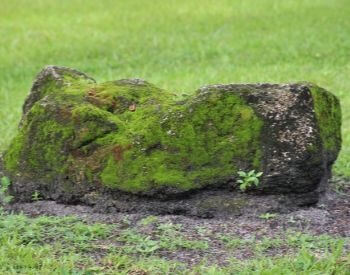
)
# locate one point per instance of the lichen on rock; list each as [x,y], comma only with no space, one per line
[78,137]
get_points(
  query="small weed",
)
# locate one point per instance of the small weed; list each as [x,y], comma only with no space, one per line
[201,230]
[36,196]
[5,198]
[166,237]
[266,244]
[169,228]
[249,179]
[136,242]
[234,243]
[339,184]
[304,262]
[148,220]
[170,238]
[125,223]
[267,216]
[299,239]
[119,263]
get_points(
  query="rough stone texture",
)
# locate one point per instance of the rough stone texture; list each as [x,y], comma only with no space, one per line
[78,139]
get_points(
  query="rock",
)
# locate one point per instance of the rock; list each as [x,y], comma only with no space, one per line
[78,138]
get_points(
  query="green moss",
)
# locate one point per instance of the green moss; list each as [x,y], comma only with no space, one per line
[109,175]
[328,115]
[191,145]
[135,137]
[47,145]
[68,84]
[40,145]
[70,77]
[90,123]
[13,155]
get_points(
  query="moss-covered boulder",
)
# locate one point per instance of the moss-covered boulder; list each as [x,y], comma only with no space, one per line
[77,137]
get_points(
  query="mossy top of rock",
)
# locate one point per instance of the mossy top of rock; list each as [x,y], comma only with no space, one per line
[131,136]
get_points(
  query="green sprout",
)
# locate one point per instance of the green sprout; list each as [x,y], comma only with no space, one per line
[248,179]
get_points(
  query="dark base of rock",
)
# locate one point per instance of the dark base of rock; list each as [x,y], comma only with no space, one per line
[204,204]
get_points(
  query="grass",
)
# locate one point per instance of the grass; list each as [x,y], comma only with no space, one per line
[167,236]
[66,245]
[178,45]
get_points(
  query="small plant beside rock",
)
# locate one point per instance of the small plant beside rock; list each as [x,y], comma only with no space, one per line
[5,198]
[248,179]
[268,216]
[36,196]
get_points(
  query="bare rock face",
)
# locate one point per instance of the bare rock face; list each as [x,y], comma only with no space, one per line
[78,139]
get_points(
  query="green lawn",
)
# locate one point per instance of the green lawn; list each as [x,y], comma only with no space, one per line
[65,246]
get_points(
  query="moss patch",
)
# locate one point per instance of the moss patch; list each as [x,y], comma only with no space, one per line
[328,115]
[13,155]
[190,145]
[131,136]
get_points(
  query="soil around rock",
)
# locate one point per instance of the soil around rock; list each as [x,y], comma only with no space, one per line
[330,216]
